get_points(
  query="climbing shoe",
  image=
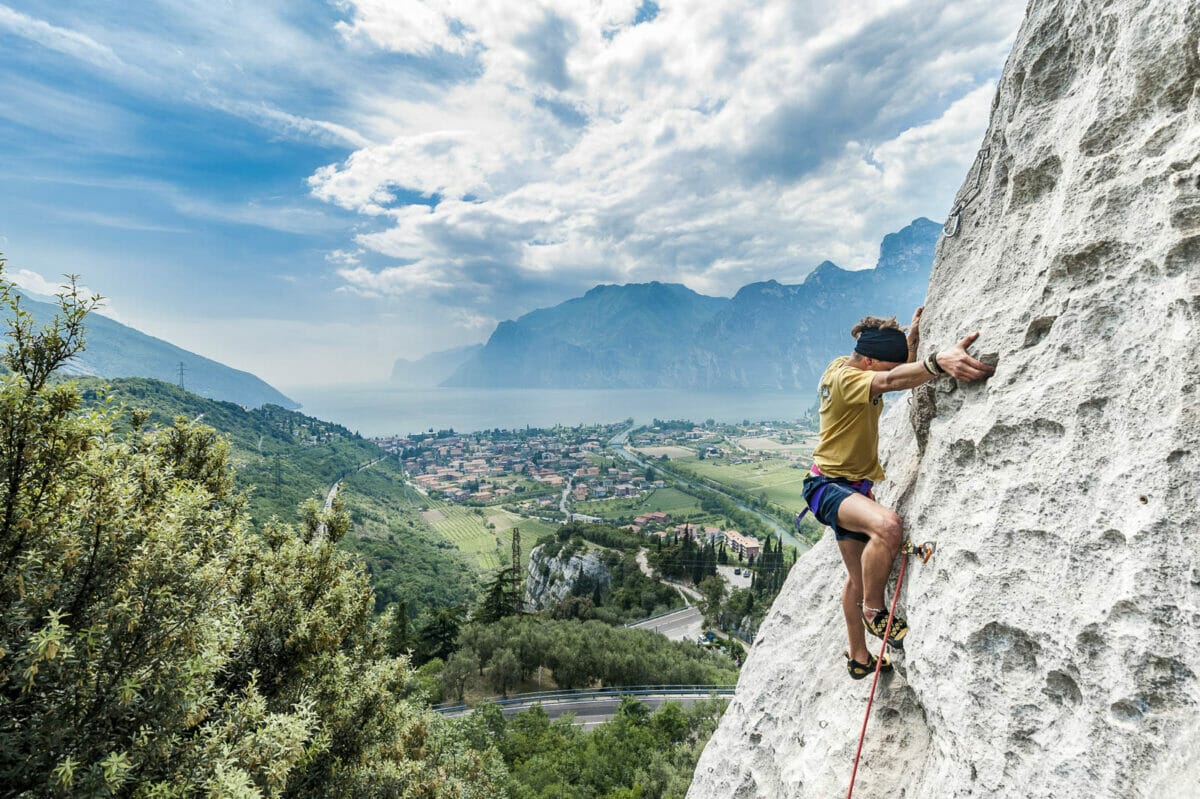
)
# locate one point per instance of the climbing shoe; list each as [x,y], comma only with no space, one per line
[859,670]
[878,625]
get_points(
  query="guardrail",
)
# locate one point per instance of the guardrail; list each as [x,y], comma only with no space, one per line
[657,615]
[595,693]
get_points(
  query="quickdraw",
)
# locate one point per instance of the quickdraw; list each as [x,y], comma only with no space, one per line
[954,221]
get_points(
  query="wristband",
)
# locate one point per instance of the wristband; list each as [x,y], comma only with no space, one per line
[932,366]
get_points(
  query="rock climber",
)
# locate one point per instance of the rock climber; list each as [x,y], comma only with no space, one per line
[846,465]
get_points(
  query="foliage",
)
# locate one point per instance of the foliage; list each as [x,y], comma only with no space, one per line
[603,534]
[283,458]
[638,753]
[151,644]
[685,558]
[627,595]
[585,653]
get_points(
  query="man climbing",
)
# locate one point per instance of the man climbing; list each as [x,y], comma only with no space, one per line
[846,465]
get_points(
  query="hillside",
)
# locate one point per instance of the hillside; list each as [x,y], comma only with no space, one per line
[655,335]
[1052,651]
[117,350]
[283,457]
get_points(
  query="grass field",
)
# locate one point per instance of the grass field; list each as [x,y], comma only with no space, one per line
[490,548]
[674,453]
[777,478]
[666,500]
[761,444]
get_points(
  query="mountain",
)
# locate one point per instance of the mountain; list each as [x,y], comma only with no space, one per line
[1054,649]
[656,335]
[775,336]
[116,350]
[433,368]
[612,337]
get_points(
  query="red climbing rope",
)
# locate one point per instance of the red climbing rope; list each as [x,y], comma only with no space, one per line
[878,666]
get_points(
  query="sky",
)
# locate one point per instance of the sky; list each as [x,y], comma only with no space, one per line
[310,189]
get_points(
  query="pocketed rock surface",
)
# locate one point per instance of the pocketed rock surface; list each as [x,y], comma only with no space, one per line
[1055,640]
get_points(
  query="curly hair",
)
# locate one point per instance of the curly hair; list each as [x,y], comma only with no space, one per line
[875,323]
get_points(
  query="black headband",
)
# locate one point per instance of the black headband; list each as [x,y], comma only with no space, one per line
[883,344]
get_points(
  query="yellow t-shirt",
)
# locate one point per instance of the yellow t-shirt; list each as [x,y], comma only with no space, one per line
[849,445]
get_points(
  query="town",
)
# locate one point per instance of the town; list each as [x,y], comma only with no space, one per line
[564,473]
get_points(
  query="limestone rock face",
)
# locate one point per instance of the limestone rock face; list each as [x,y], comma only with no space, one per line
[1055,634]
[550,579]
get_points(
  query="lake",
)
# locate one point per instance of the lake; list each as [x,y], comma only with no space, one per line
[383,410]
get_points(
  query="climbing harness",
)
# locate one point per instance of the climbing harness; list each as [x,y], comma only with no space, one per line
[924,552]
[861,486]
[954,221]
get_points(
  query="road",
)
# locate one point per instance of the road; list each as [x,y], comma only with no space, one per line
[590,711]
[617,443]
[682,625]
[333,489]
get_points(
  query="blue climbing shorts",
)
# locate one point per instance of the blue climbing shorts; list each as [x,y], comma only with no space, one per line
[830,493]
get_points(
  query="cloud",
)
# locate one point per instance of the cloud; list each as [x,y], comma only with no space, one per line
[62,40]
[709,144]
[46,290]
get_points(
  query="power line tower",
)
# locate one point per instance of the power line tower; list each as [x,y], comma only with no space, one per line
[182,370]
[518,595]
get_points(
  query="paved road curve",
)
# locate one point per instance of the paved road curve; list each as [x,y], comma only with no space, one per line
[592,710]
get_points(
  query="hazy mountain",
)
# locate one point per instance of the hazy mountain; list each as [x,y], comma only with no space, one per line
[433,368]
[778,336]
[116,350]
[613,336]
[768,336]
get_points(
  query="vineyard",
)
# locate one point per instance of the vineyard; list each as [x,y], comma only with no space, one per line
[490,547]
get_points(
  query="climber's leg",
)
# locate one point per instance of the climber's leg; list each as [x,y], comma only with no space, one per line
[852,593]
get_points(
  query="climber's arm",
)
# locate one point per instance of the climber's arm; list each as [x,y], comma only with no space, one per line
[955,362]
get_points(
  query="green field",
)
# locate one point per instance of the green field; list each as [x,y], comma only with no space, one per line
[777,478]
[489,547]
[666,500]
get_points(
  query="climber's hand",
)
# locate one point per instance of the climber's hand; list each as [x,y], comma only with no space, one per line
[914,327]
[960,365]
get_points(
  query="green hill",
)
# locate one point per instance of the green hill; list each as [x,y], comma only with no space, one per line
[117,350]
[283,457]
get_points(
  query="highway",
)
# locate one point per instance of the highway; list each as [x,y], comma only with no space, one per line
[592,708]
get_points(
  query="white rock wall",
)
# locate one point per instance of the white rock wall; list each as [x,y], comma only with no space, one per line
[549,581]
[1056,635]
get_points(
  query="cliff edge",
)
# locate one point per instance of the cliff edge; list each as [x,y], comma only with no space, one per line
[1055,640]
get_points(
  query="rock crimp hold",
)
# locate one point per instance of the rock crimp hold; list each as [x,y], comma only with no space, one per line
[1055,636]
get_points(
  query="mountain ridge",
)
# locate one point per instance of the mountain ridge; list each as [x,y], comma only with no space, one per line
[769,335]
[118,350]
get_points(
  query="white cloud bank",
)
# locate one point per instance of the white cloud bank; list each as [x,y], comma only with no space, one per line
[715,144]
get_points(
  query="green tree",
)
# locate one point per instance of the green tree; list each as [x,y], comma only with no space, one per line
[401,637]
[152,645]
[457,671]
[713,589]
[438,634]
[500,598]
[504,670]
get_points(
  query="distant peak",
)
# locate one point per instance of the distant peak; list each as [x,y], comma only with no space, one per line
[824,269]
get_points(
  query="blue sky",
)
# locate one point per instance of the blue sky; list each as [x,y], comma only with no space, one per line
[309,190]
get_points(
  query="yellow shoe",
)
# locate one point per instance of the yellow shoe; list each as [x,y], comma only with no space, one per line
[859,670]
[878,626]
